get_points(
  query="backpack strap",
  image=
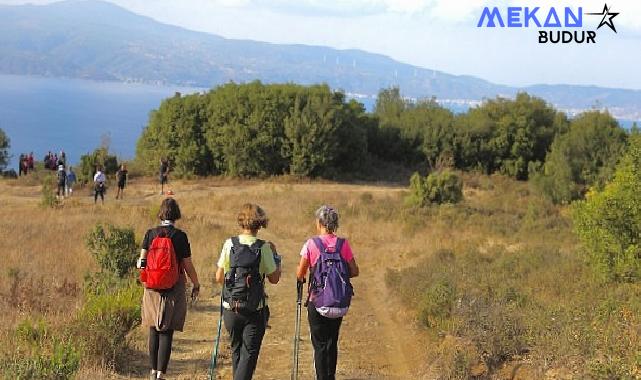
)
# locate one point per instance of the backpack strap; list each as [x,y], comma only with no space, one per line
[319,244]
[339,246]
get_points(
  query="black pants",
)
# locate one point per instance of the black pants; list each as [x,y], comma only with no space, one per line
[100,191]
[246,332]
[160,348]
[324,333]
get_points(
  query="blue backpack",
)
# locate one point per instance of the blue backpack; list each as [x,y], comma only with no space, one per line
[330,289]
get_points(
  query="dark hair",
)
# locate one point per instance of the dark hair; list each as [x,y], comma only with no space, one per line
[169,210]
[252,217]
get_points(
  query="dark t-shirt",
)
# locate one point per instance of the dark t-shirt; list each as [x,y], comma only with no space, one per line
[178,239]
[122,176]
[163,168]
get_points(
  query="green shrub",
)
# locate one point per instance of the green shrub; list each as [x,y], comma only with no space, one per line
[90,161]
[608,222]
[440,187]
[114,248]
[39,353]
[585,156]
[436,303]
[49,199]
[105,321]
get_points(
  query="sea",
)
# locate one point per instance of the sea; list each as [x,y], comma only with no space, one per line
[41,114]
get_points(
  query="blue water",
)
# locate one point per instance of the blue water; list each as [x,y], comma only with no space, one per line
[42,114]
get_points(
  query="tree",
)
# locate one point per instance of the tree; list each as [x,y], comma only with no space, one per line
[507,135]
[4,150]
[608,222]
[584,156]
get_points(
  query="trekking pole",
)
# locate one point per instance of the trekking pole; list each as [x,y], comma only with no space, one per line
[214,355]
[299,297]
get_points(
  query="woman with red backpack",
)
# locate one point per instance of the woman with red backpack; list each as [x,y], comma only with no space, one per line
[164,260]
[332,265]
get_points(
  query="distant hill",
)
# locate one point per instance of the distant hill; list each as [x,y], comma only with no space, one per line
[98,40]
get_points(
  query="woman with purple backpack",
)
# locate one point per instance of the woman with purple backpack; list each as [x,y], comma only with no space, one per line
[332,265]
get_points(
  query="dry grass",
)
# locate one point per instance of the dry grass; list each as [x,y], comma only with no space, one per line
[381,338]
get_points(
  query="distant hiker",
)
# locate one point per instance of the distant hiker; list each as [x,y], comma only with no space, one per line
[21,170]
[243,264]
[99,180]
[62,181]
[121,177]
[164,174]
[30,163]
[330,290]
[71,180]
[62,158]
[164,303]
[45,160]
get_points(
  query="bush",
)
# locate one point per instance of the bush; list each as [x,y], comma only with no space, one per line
[39,353]
[441,187]
[114,248]
[585,156]
[436,303]
[608,222]
[49,198]
[90,161]
[105,321]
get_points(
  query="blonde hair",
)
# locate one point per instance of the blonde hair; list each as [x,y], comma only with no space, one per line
[252,217]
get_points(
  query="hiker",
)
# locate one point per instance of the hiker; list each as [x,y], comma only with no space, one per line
[99,180]
[324,312]
[21,166]
[121,177]
[46,160]
[30,163]
[62,158]
[164,303]
[243,264]
[71,180]
[62,181]
[163,173]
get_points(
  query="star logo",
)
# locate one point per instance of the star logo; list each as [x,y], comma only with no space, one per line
[607,18]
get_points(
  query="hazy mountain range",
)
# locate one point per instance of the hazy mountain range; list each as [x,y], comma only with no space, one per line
[98,40]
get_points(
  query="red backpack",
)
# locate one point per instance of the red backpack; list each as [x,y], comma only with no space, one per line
[162,268]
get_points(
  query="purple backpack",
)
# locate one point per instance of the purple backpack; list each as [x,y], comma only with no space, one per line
[330,290]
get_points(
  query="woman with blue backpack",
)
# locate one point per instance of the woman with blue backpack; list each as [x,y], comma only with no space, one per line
[331,263]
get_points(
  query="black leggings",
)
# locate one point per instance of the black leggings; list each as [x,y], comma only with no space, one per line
[160,348]
[324,332]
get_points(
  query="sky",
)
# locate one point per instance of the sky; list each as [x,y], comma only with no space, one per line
[435,34]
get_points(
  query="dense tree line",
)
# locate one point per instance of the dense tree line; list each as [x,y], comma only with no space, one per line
[257,129]
[4,150]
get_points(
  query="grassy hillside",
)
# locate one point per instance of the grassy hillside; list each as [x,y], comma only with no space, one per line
[492,287]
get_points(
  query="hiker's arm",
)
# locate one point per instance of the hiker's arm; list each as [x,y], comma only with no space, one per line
[302,268]
[353,268]
[274,277]
[191,271]
[220,275]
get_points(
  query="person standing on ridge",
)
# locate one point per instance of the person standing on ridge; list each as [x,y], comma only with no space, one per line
[62,182]
[71,180]
[30,163]
[164,302]
[332,265]
[99,180]
[243,264]
[164,174]
[121,177]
